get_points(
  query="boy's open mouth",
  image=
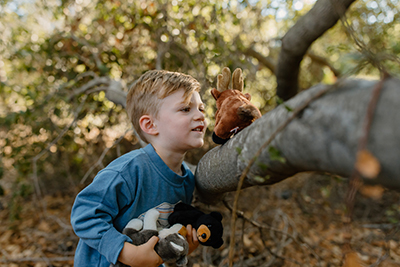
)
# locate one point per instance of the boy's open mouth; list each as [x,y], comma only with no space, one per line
[198,128]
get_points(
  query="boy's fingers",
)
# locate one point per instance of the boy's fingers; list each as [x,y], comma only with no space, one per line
[189,230]
[194,234]
[153,241]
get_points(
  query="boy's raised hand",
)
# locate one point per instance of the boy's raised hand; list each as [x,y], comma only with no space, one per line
[192,238]
[140,256]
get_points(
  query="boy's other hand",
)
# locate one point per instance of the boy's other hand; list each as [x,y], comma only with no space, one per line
[192,238]
[140,256]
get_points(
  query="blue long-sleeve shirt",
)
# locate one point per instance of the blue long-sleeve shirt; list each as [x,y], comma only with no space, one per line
[125,189]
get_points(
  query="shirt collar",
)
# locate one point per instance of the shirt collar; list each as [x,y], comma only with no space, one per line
[163,168]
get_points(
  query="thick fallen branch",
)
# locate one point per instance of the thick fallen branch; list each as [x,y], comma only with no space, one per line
[324,137]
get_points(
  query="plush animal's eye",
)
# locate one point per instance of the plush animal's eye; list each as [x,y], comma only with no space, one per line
[204,236]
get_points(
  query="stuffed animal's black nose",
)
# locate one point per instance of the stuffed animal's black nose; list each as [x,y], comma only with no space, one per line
[218,140]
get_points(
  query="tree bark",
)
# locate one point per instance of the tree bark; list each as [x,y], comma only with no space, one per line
[323,137]
[299,38]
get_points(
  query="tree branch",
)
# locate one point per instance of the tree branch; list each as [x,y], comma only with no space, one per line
[265,61]
[299,38]
[323,61]
[113,88]
[323,137]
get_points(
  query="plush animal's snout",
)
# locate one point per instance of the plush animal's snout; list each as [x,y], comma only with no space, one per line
[248,113]
[203,233]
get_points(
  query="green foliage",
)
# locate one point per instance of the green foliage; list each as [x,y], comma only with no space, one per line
[21,191]
[275,154]
[260,179]
[393,214]
[279,101]
[262,166]
[49,49]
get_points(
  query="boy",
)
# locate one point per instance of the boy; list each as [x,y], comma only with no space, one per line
[166,110]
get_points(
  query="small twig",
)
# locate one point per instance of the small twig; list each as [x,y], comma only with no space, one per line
[97,89]
[60,222]
[323,61]
[242,241]
[264,226]
[91,49]
[282,257]
[355,179]
[258,153]
[360,44]
[382,258]
[92,83]
[385,226]
[85,74]
[371,110]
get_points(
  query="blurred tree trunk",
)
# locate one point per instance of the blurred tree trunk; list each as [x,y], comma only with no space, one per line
[323,137]
[323,16]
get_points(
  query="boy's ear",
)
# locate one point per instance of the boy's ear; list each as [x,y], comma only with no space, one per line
[147,125]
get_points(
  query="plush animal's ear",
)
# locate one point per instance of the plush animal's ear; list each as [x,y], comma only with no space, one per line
[247,96]
[215,93]
[216,215]
[237,80]
[135,223]
[223,79]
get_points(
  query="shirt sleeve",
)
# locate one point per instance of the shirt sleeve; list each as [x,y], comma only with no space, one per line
[94,210]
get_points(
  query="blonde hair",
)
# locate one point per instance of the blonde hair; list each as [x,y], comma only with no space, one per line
[146,94]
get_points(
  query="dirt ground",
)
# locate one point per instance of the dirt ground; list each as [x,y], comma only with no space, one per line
[298,222]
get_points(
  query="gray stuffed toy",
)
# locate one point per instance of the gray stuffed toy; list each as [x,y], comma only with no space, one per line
[172,246]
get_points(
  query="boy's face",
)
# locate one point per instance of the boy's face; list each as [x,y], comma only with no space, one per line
[181,126]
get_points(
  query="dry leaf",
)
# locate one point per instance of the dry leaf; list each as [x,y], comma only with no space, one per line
[372,191]
[351,260]
[367,165]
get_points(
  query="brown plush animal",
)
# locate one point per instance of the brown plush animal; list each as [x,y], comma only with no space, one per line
[234,109]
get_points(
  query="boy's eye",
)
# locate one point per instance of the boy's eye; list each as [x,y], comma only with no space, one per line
[186,109]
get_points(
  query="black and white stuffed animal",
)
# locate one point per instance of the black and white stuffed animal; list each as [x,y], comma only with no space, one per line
[172,246]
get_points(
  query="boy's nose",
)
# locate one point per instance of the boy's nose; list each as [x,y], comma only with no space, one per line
[200,115]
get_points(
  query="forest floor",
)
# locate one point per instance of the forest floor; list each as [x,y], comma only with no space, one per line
[298,222]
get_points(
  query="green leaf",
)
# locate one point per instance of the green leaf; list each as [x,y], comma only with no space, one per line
[57,112]
[262,166]
[275,154]
[238,150]
[280,101]
[288,108]
[260,179]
